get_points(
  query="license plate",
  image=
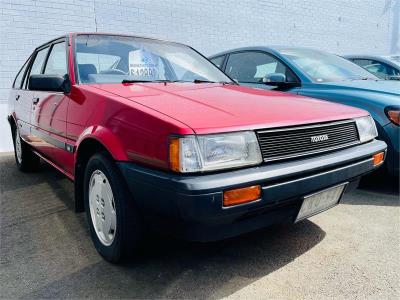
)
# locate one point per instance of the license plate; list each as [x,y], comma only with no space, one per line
[320,201]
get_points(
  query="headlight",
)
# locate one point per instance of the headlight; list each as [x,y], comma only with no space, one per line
[198,153]
[366,129]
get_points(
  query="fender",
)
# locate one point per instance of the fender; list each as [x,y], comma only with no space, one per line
[106,138]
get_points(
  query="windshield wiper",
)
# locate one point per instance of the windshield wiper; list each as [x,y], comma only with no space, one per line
[140,80]
[360,78]
[203,81]
[209,81]
[146,81]
[167,80]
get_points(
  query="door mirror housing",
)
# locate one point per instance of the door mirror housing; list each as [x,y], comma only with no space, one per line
[48,82]
[279,80]
[274,78]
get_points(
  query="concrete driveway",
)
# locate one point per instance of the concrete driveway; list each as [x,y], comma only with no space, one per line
[351,251]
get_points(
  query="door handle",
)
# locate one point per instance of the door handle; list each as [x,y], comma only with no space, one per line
[35,100]
[17,97]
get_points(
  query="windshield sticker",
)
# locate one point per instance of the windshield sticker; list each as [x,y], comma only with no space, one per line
[143,65]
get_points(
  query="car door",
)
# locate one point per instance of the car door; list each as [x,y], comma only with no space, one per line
[28,97]
[20,101]
[251,67]
[49,111]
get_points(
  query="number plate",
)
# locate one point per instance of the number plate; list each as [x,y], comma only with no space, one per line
[320,201]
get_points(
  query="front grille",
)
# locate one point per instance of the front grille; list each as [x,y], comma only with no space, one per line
[287,143]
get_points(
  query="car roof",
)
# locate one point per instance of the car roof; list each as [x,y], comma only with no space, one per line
[270,48]
[367,56]
[389,59]
[74,34]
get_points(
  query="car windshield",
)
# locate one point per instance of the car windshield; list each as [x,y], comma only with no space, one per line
[325,67]
[116,59]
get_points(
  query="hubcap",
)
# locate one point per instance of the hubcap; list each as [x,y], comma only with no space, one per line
[102,207]
[18,147]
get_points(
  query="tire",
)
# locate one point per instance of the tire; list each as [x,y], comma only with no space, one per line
[119,228]
[26,160]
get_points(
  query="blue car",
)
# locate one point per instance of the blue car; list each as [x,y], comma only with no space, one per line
[384,67]
[320,75]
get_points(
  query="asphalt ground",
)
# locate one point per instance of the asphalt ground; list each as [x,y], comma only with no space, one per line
[349,252]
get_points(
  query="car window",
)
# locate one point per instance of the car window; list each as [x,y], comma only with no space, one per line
[252,67]
[57,61]
[36,66]
[362,62]
[38,62]
[218,61]
[20,76]
[392,71]
[377,68]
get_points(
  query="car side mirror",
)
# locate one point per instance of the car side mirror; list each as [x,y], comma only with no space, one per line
[48,82]
[279,80]
[273,78]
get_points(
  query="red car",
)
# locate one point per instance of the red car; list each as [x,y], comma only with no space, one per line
[154,135]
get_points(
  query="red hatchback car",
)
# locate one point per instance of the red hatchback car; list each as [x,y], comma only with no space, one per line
[154,135]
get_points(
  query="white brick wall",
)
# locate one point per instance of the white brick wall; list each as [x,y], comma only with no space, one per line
[341,26]
[210,26]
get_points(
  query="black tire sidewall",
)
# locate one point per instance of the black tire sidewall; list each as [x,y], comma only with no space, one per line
[15,136]
[30,162]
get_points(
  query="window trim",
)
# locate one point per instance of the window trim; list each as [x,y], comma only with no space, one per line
[34,55]
[223,61]
[48,45]
[263,52]
[49,53]
[26,65]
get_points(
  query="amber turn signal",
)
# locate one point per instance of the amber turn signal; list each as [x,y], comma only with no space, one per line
[378,158]
[242,195]
[174,154]
[394,116]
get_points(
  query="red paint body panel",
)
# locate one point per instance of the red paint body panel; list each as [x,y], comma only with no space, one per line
[211,108]
[127,129]
[135,121]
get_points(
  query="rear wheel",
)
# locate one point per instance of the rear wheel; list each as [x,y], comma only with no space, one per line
[26,160]
[113,220]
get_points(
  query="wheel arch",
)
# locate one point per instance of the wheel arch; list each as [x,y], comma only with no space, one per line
[93,140]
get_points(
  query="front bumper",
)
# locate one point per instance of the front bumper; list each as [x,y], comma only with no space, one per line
[190,206]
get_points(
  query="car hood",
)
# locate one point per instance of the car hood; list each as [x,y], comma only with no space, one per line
[389,87]
[210,108]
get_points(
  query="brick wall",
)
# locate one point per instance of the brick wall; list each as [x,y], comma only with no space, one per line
[341,26]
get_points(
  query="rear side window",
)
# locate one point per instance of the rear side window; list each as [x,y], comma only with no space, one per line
[218,61]
[57,61]
[20,76]
[36,66]
[38,62]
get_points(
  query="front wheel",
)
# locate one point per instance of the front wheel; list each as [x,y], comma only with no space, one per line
[114,222]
